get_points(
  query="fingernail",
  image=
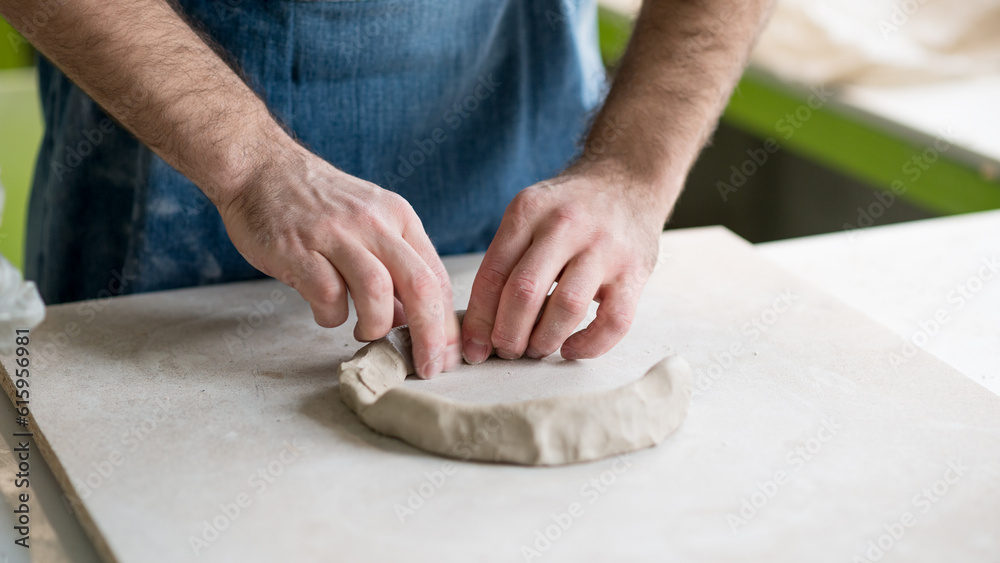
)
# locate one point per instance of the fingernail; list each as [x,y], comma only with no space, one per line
[432,368]
[475,352]
[533,354]
[507,355]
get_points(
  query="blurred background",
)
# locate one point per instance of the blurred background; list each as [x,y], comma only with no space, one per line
[20,134]
[852,114]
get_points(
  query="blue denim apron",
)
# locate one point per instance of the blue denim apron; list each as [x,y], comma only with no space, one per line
[454,104]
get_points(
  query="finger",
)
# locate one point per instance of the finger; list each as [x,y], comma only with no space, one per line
[371,287]
[504,252]
[321,285]
[525,291]
[419,291]
[398,314]
[416,237]
[566,308]
[618,302]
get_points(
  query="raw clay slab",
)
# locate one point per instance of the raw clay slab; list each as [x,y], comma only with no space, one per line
[802,444]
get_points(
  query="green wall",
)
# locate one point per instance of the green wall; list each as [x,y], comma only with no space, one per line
[14,51]
[20,133]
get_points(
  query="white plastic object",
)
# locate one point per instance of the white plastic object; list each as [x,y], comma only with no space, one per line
[21,307]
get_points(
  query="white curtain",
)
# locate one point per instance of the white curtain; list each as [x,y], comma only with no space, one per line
[883,42]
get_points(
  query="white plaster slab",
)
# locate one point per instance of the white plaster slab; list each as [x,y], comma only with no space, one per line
[269,399]
[55,534]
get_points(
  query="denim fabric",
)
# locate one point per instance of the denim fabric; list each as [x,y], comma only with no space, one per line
[454,104]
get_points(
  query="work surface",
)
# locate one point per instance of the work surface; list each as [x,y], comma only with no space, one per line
[804,440]
[905,275]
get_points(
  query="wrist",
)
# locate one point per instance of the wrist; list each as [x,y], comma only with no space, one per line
[259,147]
[649,190]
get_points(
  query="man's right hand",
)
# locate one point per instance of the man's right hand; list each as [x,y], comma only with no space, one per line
[326,234]
[291,214]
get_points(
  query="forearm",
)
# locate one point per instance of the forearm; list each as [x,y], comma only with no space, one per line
[148,69]
[681,65]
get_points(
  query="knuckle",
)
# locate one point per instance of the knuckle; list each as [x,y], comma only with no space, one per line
[376,283]
[380,226]
[425,285]
[632,280]
[525,288]
[397,205]
[371,216]
[300,282]
[571,302]
[286,276]
[566,215]
[425,335]
[493,279]
[525,204]
[618,322]
[327,294]
[602,238]
[441,275]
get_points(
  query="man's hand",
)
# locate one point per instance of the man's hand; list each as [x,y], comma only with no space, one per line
[326,234]
[595,228]
[590,231]
[291,214]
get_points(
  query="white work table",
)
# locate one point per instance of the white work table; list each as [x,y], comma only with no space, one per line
[900,276]
[905,275]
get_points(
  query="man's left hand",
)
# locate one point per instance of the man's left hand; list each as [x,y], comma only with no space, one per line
[594,234]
